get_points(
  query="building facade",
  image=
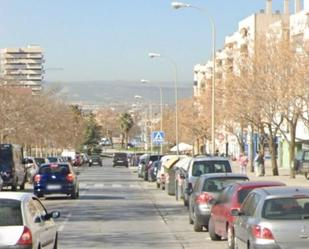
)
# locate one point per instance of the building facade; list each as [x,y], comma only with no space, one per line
[23,67]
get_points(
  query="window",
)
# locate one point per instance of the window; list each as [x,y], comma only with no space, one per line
[306,156]
[250,204]
[6,158]
[218,184]
[61,169]
[10,213]
[205,167]
[242,194]
[286,208]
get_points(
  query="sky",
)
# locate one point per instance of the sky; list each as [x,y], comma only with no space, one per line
[96,40]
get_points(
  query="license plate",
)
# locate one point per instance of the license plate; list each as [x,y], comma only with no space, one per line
[120,161]
[53,187]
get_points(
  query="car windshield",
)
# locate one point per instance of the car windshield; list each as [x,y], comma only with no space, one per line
[6,158]
[10,213]
[61,169]
[52,159]
[39,161]
[218,184]
[293,208]
[205,167]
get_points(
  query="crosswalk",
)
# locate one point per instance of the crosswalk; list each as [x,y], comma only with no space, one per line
[107,185]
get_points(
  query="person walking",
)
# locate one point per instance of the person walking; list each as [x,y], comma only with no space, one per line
[243,162]
[259,164]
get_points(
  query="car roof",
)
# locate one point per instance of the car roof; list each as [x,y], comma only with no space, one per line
[209,158]
[283,191]
[224,175]
[250,184]
[19,196]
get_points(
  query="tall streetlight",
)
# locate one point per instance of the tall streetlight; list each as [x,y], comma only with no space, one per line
[178,5]
[173,63]
[143,81]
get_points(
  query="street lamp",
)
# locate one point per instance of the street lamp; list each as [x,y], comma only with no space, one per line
[178,5]
[173,63]
[161,109]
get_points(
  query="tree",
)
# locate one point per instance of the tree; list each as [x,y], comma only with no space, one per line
[126,123]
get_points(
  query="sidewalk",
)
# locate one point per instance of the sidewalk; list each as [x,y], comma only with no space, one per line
[284,175]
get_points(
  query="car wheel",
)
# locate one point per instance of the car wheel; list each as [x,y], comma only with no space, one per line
[185,202]
[74,195]
[158,185]
[14,185]
[196,226]
[306,176]
[211,230]
[230,238]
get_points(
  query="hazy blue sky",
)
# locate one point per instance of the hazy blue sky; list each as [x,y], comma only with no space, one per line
[110,39]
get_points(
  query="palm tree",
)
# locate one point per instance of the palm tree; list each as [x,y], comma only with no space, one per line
[126,124]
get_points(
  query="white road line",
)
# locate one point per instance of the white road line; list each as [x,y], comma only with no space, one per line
[134,186]
[116,185]
[65,222]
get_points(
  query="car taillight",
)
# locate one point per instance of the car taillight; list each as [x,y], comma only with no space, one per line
[37,178]
[70,177]
[25,238]
[261,232]
[203,198]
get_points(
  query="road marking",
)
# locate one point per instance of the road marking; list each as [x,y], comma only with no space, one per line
[65,222]
[134,186]
[116,185]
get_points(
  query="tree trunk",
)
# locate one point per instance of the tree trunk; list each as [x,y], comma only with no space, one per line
[292,149]
[122,140]
[274,164]
[252,151]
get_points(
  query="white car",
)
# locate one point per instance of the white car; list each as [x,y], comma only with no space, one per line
[25,223]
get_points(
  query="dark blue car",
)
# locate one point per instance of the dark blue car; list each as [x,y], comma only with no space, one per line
[56,178]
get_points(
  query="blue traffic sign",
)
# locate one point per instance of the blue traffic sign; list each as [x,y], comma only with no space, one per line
[157,137]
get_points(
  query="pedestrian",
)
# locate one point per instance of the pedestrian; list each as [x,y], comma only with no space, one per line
[243,162]
[259,164]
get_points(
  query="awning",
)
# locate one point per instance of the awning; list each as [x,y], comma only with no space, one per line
[171,162]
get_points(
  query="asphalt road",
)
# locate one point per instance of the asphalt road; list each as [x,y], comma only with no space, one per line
[118,210]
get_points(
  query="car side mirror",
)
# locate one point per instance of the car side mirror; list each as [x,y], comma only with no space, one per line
[37,219]
[54,214]
[236,212]
[214,201]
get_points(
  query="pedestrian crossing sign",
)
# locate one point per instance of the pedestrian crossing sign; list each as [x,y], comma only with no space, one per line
[157,137]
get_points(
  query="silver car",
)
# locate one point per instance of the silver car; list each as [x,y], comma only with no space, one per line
[273,218]
[25,223]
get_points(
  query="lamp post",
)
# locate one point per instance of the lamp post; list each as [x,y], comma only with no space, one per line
[173,63]
[178,5]
[161,109]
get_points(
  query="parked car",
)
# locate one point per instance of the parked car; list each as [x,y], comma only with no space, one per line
[204,165]
[166,161]
[273,218]
[153,170]
[301,163]
[95,160]
[120,159]
[149,162]
[56,178]
[77,161]
[141,164]
[25,222]
[208,187]
[221,222]
[12,168]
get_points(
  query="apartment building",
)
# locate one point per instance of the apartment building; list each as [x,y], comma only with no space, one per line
[23,67]
[284,25]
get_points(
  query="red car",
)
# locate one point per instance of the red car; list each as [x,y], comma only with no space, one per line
[221,221]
